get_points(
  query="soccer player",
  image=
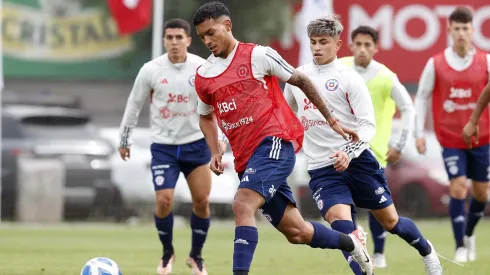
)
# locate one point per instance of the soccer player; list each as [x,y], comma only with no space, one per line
[344,173]
[471,130]
[178,144]
[387,93]
[237,87]
[453,80]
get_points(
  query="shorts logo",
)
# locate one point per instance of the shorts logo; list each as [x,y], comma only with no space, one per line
[252,171]
[319,204]
[383,199]
[267,216]
[332,84]
[272,191]
[242,71]
[453,169]
[159,180]
[379,191]
[245,179]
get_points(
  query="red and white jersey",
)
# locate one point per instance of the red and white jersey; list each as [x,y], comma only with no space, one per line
[454,85]
[173,101]
[349,101]
[247,100]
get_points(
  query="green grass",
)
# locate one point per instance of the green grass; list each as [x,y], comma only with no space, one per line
[62,250]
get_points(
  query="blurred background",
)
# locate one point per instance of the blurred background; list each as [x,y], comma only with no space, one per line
[69,65]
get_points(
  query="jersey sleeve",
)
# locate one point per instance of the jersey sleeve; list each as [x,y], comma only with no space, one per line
[266,61]
[422,99]
[362,107]
[137,98]
[203,108]
[404,103]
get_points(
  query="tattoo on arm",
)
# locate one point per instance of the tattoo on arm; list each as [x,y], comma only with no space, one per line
[303,82]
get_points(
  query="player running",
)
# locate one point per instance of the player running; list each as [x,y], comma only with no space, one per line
[178,143]
[453,80]
[387,93]
[237,87]
[344,174]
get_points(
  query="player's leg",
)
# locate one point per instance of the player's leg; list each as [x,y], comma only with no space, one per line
[378,234]
[455,162]
[165,171]
[315,234]
[478,163]
[334,200]
[365,176]
[194,163]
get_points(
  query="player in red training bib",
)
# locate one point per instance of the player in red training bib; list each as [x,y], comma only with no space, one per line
[453,79]
[238,89]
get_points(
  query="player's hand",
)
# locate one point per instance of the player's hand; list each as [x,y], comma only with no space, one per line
[420,143]
[345,132]
[216,165]
[342,161]
[470,133]
[393,156]
[125,153]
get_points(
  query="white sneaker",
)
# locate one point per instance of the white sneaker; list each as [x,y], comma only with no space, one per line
[461,255]
[360,253]
[470,244]
[379,260]
[431,262]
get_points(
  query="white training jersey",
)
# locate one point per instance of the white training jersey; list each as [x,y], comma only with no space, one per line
[173,101]
[265,61]
[349,101]
[428,79]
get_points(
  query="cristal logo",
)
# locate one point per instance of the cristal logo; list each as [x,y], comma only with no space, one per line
[225,107]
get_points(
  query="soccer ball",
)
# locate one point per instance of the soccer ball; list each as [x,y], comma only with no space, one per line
[101,266]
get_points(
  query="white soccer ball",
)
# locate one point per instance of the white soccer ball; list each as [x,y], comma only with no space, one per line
[101,266]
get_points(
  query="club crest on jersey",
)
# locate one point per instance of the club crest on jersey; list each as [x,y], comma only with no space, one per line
[332,84]
[192,79]
[242,71]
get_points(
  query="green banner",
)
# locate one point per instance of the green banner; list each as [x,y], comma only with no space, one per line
[68,39]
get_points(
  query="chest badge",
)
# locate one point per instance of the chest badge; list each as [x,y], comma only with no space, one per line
[332,84]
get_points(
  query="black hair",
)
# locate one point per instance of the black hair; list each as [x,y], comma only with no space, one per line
[461,15]
[177,23]
[211,10]
[365,30]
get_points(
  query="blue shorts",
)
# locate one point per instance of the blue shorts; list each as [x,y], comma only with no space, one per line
[363,184]
[472,163]
[267,172]
[169,160]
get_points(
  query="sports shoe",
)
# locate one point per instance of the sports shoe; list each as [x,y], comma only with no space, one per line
[197,265]
[379,260]
[165,266]
[470,244]
[360,253]
[431,262]
[461,255]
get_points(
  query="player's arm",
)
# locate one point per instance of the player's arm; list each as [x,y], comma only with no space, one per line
[269,62]
[288,94]
[470,130]
[362,106]
[209,127]
[403,102]
[137,98]
[422,99]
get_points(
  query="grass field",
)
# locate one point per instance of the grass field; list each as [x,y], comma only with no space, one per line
[62,250]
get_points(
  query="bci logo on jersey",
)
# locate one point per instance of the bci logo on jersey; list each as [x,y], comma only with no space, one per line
[177,98]
[225,107]
[231,89]
[460,93]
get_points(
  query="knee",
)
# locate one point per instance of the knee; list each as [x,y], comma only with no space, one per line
[201,204]
[298,236]
[164,202]
[242,209]
[389,222]
[481,195]
[458,189]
